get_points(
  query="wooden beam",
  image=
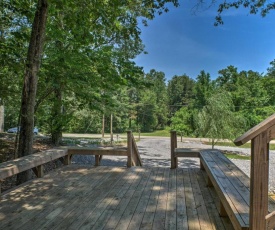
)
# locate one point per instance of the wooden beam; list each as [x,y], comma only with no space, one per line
[112,151]
[270,221]
[173,140]
[22,164]
[136,154]
[129,149]
[259,182]
[187,152]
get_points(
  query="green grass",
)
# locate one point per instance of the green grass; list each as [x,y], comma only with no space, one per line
[236,156]
[158,133]
[231,144]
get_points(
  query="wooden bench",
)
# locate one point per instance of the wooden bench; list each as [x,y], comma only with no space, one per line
[231,185]
[244,200]
[33,161]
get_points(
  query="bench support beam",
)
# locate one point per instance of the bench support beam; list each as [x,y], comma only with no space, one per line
[222,210]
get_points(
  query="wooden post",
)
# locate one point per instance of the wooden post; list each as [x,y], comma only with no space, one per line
[67,159]
[173,139]
[40,171]
[97,160]
[259,182]
[129,149]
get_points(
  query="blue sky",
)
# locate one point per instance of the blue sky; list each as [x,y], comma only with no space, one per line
[179,42]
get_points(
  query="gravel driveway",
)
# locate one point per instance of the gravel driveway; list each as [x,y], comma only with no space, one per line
[156,152]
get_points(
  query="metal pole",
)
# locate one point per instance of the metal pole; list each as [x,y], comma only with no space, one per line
[103,123]
[111,129]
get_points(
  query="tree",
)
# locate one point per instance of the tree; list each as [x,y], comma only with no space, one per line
[254,7]
[2,110]
[269,83]
[217,119]
[203,89]
[181,122]
[30,84]
[180,92]
[157,79]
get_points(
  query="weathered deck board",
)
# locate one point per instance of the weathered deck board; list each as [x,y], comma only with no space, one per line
[82,197]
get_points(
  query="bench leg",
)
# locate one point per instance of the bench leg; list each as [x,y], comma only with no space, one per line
[98,158]
[209,182]
[38,171]
[222,210]
[201,166]
[174,162]
[67,159]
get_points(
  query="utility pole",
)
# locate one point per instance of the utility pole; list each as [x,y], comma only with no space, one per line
[111,129]
[103,122]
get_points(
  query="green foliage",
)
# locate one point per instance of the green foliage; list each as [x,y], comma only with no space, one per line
[87,71]
[180,92]
[217,119]
[202,90]
[181,122]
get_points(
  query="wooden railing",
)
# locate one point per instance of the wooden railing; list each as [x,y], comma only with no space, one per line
[33,161]
[132,151]
[37,160]
[260,137]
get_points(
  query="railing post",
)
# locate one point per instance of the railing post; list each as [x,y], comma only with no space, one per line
[173,139]
[129,149]
[259,181]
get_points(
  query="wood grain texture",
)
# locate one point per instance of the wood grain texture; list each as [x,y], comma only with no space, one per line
[224,182]
[79,197]
[259,181]
[173,143]
[21,164]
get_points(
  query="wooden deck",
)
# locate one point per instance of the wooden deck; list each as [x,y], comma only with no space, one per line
[83,197]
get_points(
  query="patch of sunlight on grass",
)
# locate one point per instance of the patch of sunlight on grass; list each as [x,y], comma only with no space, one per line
[237,156]
[157,133]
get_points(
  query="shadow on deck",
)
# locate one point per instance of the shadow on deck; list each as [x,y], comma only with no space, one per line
[87,197]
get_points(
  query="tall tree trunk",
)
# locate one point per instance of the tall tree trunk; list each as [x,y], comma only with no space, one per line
[2,113]
[57,116]
[30,84]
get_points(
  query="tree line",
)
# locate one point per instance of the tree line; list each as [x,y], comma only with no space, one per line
[65,64]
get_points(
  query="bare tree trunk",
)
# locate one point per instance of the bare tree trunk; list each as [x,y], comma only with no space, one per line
[30,84]
[57,116]
[2,113]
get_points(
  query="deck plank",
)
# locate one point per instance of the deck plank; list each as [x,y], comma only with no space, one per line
[182,221]
[192,215]
[203,215]
[134,221]
[171,217]
[160,214]
[62,214]
[87,197]
[148,217]
[212,203]
[129,202]
[109,211]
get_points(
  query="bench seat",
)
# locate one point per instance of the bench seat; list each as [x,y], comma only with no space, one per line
[231,185]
